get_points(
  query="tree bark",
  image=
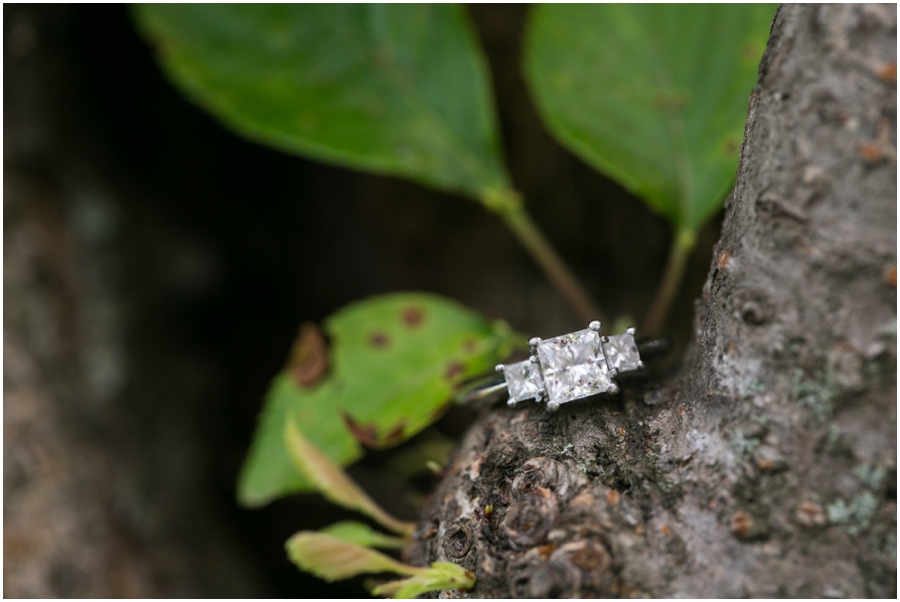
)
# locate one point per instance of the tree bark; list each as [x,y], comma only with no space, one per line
[767,466]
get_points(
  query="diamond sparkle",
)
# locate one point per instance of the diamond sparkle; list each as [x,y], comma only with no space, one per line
[523,381]
[622,353]
[573,366]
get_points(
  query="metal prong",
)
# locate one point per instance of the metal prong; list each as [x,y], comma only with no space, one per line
[512,402]
[595,325]
[500,368]
[640,365]
[612,389]
[605,339]
[534,342]
[630,330]
[539,397]
[614,372]
[533,359]
[552,406]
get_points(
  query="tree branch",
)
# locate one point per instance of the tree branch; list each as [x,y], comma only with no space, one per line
[767,467]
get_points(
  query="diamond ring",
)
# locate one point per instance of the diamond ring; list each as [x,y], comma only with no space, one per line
[571,366]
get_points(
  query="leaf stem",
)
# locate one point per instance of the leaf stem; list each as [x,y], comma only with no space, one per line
[508,205]
[682,245]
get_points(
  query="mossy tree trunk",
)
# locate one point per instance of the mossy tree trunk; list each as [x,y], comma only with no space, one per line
[767,466]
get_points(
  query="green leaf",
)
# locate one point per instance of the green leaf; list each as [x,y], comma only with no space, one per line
[363,535]
[395,362]
[268,471]
[441,575]
[333,482]
[653,95]
[332,558]
[393,89]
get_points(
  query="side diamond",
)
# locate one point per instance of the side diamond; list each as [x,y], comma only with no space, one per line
[573,366]
[523,381]
[622,353]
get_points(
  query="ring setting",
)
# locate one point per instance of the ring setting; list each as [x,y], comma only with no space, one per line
[572,366]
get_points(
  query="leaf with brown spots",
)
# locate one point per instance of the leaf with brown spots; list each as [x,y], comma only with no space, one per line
[379,339]
[309,356]
[454,371]
[412,317]
[367,434]
[394,364]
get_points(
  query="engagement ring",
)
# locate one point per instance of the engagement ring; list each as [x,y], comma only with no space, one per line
[567,367]
[571,366]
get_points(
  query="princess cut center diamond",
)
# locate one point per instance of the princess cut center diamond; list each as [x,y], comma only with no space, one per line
[622,353]
[573,366]
[523,381]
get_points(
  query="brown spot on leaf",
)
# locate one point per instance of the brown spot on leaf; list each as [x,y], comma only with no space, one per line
[669,100]
[890,276]
[379,339]
[724,256]
[412,317]
[454,369]
[871,153]
[396,431]
[367,434]
[731,146]
[308,361]
[888,73]
[751,51]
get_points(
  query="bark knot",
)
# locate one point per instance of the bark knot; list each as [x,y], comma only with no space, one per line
[530,518]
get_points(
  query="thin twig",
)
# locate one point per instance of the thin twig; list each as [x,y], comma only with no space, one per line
[508,204]
[682,245]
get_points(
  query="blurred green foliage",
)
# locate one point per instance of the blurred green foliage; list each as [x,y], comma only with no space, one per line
[653,95]
[392,89]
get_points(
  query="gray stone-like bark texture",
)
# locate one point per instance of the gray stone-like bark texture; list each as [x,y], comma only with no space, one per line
[767,466]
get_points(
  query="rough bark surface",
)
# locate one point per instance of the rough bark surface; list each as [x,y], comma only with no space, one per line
[767,467]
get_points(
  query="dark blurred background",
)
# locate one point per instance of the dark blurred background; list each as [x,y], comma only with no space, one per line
[156,268]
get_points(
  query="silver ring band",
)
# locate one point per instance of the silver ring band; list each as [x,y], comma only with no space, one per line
[565,368]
